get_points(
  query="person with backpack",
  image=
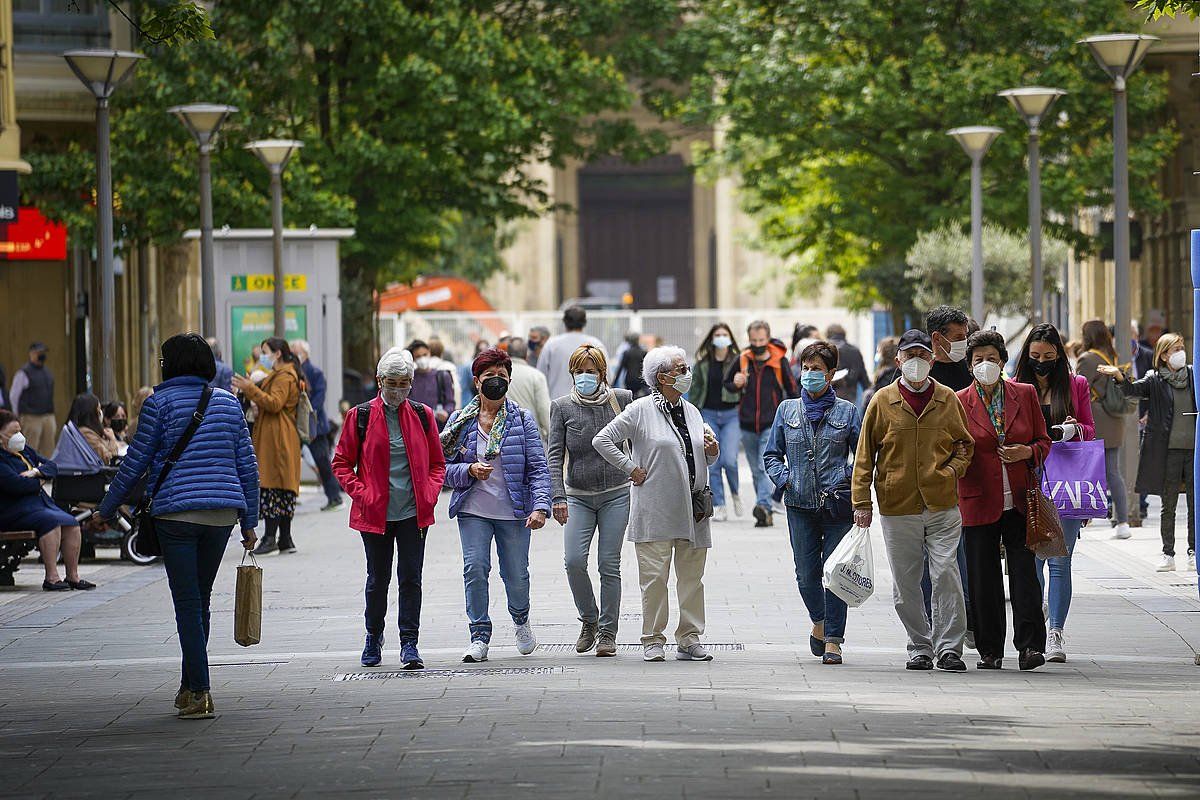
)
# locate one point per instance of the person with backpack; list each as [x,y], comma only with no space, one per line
[1109,411]
[389,460]
[432,386]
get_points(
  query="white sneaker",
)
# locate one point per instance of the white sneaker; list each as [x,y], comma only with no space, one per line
[654,652]
[738,510]
[526,641]
[720,514]
[1166,564]
[476,653]
[1056,647]
[1191,561]
[1122,532]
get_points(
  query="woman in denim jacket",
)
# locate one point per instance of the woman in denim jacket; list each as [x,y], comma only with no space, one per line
[808,456]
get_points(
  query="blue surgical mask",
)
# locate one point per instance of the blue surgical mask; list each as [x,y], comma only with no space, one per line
[266,361]
[721,341]
[813,380]
[587,383]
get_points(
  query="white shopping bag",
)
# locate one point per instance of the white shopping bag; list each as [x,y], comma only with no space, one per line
[850,570]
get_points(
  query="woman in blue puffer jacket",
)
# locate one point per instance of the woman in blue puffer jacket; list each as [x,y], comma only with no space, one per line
[212,486]
[497,467]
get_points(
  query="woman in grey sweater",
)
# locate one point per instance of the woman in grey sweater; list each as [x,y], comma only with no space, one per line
[593,498]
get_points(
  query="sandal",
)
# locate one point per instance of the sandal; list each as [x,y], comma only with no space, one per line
[81,584]
[60,586]
[831,658]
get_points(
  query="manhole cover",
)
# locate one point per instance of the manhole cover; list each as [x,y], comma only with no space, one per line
[716,646]
[446,673]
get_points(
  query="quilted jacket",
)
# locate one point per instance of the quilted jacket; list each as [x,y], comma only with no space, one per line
[521,456]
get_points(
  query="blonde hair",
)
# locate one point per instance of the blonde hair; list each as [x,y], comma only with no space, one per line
[589,352]
[1165,343]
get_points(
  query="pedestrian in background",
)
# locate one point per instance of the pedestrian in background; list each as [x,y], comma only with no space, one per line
[763,380]
[914,447]
[1098,352]
[538,336]
[117,418]
[628,371]
[850,358]
[319,429]
[1067,410]
[224,377]
[497,467]
[432,386]
[466,381]
[135,409]
[276,441]
[553,360]
[1168,445]
[528,388]
[32,398]
[212,487]
[592,499]
[88,418]
[437,354]
[808,456]
[668,466]
[393,474]
[886,371]
[948,328]
[1006,422]
[717,359]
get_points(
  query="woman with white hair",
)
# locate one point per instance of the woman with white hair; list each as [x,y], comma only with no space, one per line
[670,503]
[389,460]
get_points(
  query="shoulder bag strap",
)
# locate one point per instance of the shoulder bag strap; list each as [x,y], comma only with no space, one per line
[184,440]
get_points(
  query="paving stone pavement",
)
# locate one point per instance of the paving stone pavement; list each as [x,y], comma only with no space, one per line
[87,682]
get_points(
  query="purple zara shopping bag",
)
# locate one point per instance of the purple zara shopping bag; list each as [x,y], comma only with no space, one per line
[1073,478]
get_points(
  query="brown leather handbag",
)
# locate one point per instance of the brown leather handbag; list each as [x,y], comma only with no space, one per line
[1043,528]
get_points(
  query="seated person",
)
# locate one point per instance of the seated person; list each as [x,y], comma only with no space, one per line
[86,416]
[116,417]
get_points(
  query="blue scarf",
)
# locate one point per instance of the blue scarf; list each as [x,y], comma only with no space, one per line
[816,407]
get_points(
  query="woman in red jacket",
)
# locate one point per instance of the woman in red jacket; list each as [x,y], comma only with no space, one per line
[392,467]
[1005,420]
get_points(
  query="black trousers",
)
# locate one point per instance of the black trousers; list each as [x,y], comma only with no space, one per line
[408,542]
[986,586]
[319,447]
[1179,473]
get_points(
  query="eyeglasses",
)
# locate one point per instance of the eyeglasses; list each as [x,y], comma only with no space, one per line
[682,369]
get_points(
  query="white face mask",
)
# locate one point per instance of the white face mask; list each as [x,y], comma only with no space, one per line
[16,443]
[915,370]
[394,397]
[986,372]
[1177,360]
[423,363]
[957,351]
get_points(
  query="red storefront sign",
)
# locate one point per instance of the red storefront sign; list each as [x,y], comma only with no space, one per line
[32,238]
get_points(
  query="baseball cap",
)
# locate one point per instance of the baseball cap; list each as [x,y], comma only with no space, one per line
[38,347]
[915,338]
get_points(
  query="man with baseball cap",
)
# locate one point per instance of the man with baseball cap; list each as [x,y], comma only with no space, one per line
[32,398]
[914,447]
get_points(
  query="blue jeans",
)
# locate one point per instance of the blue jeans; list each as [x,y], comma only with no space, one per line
[408,542]
[813,541]
[319,447]
[192,554]
[755,445]
[512,548]
[606,514]
[1060,577]
[725,425]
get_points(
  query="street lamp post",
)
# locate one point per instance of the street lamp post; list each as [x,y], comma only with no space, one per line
[975,141]
[1033,103]
[1119,54]
[275,153]
[203,121]
[102,71]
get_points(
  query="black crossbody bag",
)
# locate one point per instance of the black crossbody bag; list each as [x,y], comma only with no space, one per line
[146,543]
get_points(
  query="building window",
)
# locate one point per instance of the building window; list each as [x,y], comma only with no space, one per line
[52,26]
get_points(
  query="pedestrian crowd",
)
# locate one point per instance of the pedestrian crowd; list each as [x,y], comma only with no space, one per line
[950,441]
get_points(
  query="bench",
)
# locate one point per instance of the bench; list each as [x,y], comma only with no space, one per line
[14,545]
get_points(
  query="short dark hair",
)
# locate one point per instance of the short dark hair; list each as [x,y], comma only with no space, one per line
[826,351]
[188,354]
[986,339]
[417,344]
[757,325]
[518,347]
[574,318]
[835,330]
[942,317]
[6,417]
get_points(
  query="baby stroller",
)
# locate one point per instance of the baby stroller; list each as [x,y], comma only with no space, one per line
[80,486]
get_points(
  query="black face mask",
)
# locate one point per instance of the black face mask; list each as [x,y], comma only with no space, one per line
[758,349]
[494,388]
[1045,369]
[118,425]
[41,359]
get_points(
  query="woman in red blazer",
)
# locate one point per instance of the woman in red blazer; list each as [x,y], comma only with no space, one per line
[1005,420]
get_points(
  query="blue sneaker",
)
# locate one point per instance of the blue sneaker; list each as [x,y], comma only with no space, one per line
[409,657]
[373,650]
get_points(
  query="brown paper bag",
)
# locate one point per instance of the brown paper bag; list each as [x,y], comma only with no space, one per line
[247,604]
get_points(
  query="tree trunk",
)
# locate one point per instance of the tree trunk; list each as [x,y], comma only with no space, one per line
[360,314]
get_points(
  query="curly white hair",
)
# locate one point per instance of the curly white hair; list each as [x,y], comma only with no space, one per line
[396,363]
[660,360]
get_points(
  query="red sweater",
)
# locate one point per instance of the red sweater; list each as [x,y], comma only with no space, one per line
[916,400]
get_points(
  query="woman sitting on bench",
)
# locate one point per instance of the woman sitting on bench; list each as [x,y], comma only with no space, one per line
[23,505]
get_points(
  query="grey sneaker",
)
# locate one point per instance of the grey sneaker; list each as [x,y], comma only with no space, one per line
[587,638]
[606,646]
[1056,647]
[695,652]
[654,652]
[526,641]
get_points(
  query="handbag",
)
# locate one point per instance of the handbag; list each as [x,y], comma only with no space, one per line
[146,542]
[1043,528]
[1113,401]
[702,504]
[835,506]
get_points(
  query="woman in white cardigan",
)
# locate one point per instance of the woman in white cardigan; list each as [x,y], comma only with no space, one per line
[671,451]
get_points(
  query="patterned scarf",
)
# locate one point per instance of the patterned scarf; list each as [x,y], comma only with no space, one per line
[995,408]
[1176,378]
[453,433]
[598,399]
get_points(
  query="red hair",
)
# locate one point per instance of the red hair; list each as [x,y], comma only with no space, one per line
[492,357]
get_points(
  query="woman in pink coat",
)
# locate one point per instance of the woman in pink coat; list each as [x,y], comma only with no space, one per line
[1067,406]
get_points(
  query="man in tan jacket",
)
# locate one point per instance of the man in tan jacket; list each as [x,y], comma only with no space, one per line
[914,447]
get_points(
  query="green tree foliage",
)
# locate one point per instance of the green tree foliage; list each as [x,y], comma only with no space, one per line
[1168,8]
[939,267]
[834,115]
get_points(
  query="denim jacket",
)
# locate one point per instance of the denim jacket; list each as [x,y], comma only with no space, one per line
[805,463]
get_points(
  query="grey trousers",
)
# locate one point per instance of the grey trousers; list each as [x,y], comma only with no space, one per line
[908,538]
[603,516]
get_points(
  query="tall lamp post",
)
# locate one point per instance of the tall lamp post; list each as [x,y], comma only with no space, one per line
[975,141]
[1033,103]
[1119,54]
[203,121]
[102,71]
[275,153]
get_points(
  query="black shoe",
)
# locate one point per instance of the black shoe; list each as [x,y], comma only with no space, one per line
[266,546]
[1030,659]
[990,662]
[761,513]
[286,545]
[332,504]
[919,663]
[951,662]
[60,586]
[817,646]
